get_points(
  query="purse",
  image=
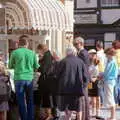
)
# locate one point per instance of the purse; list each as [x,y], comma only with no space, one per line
[100,84]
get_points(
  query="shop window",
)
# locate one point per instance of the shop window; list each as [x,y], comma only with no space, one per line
[109,38]
[88,1]
[110,3]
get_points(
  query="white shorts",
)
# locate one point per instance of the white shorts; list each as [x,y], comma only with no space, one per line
[109,100]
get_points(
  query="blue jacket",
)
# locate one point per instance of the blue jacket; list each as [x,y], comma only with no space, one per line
[111,71]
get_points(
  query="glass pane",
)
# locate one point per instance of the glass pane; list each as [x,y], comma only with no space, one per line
[110,3]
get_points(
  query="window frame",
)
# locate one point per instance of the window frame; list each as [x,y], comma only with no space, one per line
[110,4]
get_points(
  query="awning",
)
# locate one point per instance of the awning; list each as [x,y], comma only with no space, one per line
[48,14]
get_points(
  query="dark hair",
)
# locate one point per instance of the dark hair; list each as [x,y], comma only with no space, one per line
[116,44]
[99,44]
[23,36]
[110,51]
[23,40]
[42,47]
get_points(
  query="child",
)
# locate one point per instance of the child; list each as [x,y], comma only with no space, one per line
[94,90]
[110,76]
[3,93]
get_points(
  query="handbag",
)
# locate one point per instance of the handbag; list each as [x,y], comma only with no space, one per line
[5,88]
[100,84]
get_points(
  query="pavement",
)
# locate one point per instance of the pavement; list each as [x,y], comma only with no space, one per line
[105,113]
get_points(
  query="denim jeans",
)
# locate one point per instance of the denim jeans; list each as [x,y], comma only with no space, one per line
[24,94]
[117,91]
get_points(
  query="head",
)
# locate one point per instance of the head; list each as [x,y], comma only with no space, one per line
[99,45]
[116,44]
[110,53]
[92,54]
[78,43]
[41,49]
[56,55]
[23,41]
[70,51]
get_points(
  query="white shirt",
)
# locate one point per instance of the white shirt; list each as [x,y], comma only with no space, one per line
[102,57]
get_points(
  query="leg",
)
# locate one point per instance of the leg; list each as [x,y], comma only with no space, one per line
[87,116]
[94,106]
[46,104]
[19,86]
[79,115]
[68,115]
[101,95]
[29,100]
[98,106]
[37,112]
[109,99]
[5,115]
[1,115]
[113,112]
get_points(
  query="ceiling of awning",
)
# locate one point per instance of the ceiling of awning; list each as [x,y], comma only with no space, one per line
[39,14]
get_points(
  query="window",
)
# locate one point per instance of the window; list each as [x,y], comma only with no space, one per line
[110,3]
[88,1]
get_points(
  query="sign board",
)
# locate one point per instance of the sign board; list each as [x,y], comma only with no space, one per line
[2,21]
[85,18]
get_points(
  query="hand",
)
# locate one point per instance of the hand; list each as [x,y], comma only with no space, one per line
[38,74]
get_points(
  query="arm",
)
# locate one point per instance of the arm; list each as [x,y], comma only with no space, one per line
[47,59]
[111,71]
[84,56]
[12,61]
[86,75]
[35,65]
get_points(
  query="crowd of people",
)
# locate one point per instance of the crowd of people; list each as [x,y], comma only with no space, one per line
[67,88]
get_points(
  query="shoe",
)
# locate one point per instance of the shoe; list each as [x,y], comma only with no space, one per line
[100,118]
[111,119]
[55,118]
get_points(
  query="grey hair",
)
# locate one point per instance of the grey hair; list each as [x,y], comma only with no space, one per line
[80,39]
[70,51]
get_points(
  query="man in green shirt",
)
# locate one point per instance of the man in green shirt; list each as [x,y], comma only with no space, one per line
[24,63]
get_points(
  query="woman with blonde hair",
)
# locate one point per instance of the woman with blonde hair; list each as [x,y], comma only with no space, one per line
[93,88]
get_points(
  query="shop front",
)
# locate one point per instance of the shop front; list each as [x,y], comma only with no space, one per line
[45,21]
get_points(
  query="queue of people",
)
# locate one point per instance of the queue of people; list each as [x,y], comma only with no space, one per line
[66,87]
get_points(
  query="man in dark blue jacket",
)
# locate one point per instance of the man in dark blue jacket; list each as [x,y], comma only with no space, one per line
[84,56]
[73,79]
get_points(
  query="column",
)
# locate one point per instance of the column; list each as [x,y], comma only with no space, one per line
[63,43]
[59,42]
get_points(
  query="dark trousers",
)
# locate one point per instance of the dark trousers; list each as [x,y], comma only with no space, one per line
[24,89]
[86,114]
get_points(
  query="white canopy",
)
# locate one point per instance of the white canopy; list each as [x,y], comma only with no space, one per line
[42,14]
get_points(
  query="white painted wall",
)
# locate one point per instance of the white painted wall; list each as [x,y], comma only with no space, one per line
[110,16]
[84,4]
